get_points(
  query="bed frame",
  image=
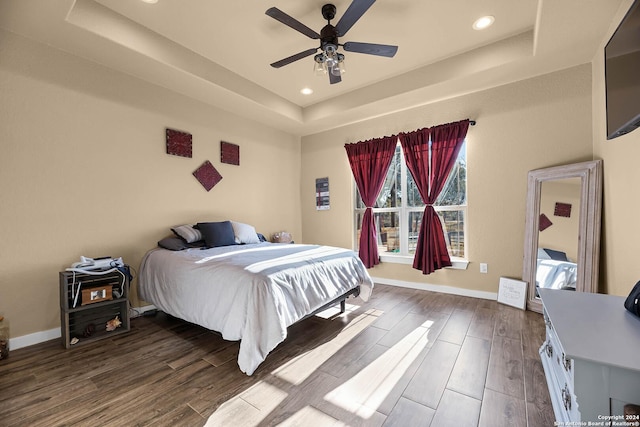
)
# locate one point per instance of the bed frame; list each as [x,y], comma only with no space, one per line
[342,299]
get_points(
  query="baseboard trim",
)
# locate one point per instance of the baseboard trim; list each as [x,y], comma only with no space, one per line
[437,288]
[52,334]
[35,338]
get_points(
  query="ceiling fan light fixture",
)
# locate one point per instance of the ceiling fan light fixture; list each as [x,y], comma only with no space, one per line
[333,66]
[335,69]
[341,63]
[332,61]
[330,49]
[483,22]
[320,65]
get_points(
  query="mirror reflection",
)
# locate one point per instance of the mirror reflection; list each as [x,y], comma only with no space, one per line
[559,220]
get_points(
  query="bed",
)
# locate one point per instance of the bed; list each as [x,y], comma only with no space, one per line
[555,271]
[251,292]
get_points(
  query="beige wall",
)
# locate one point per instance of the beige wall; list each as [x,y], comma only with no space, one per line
[544,121]
[83,171]
[620,269]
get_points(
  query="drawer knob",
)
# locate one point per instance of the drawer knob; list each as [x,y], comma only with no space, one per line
[566,363]
[566,398]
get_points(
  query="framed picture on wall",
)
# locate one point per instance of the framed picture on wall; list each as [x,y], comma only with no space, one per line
[322,194]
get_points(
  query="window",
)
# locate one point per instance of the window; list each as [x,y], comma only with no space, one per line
[399,207]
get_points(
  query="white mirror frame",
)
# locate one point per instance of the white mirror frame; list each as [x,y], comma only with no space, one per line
[590,174]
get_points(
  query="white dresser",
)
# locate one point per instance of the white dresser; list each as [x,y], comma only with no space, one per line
[591,356]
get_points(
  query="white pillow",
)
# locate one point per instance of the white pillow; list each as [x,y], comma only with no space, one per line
[245,233]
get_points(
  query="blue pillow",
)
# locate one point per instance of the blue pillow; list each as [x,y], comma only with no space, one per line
[556,255]
[217,233]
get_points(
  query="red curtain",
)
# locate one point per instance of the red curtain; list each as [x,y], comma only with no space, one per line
[370,162]
[430,175]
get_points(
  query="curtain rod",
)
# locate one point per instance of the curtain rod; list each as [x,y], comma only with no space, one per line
[472,122]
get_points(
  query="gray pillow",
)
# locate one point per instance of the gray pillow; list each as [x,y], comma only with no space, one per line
[187,233]
[173,244]
[177,244]
[244,233]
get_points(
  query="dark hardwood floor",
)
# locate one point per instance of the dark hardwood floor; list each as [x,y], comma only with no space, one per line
[405,358]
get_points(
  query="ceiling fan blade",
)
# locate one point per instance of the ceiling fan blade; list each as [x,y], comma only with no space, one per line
[294,58]
[371,48]
[334,79]
[355,10]
[279,15]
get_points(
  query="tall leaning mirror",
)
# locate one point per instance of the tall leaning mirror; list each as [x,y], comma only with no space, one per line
[562,234]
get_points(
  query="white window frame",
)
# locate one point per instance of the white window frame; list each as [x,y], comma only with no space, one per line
[403,217]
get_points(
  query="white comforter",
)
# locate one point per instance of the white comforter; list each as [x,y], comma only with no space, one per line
[552,274]
[252,292]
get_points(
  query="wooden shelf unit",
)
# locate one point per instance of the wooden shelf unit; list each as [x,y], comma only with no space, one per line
[77,316]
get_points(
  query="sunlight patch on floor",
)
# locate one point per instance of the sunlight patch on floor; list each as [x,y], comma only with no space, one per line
[299,369]
[335,310]
[240,412]
[254,404]
[366,391]
[311,417]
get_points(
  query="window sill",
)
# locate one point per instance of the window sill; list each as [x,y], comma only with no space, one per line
[457,263]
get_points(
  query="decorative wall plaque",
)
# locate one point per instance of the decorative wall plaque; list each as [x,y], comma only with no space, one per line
[178,143]
[544,222]
[229,153]
[562,209]
[207,175]
[512,292]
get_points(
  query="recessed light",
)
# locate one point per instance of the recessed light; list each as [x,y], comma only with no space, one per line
[484,22]
[306,91]
[150,1]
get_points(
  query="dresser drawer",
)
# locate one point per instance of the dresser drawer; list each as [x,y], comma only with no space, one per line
[561,391]
[562,365]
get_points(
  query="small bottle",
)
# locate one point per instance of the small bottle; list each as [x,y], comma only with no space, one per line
[4,337]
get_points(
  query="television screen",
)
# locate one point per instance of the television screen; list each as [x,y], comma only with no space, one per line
[622,75]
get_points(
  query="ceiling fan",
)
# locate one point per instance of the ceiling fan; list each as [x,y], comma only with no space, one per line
[329,60]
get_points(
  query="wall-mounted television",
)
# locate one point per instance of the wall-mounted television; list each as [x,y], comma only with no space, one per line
[622,75]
